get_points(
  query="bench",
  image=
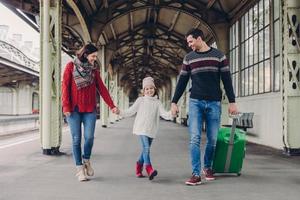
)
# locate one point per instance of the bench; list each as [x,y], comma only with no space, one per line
[244,122]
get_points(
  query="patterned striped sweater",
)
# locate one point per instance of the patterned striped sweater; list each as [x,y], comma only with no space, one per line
[205,69]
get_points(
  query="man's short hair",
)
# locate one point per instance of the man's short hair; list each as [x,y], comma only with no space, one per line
[195,33]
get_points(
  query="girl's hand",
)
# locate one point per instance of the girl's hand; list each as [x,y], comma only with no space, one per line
[67,114]
[174,109]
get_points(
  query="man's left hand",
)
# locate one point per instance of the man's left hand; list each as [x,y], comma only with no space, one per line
[232,109]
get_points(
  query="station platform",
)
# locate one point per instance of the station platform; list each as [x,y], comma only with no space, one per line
[27,174]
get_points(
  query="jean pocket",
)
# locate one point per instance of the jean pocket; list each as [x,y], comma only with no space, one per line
[215,107]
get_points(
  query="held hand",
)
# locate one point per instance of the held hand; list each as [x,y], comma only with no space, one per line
[174,109]
[115,110]
[232,109]
[67,114]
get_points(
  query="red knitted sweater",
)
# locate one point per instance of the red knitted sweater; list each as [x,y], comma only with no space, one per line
[84,98]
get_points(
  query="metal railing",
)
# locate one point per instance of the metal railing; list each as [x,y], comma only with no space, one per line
[18,56]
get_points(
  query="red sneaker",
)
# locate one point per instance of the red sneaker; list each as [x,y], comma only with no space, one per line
[208,173]
[194,180]
[151,172]
[138,170]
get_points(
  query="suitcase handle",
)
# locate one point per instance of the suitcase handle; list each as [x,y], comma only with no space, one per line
[235,119]
[236,116]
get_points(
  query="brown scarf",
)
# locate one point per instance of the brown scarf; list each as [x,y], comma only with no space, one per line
[83,73]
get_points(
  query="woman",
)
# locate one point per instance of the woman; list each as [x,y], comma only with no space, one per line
[81,80]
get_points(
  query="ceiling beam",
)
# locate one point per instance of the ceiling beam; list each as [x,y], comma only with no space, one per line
[105,37]
[113,31]
[87,7]
[86,34]
[131,21]
[93,5]
[180,39]
[174,20]
[108,15]
[210,3]
[105,3]
[237,8]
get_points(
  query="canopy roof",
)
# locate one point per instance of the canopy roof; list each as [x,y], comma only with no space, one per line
[142,37]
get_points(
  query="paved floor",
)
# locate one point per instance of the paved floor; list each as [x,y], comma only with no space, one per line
[26,174]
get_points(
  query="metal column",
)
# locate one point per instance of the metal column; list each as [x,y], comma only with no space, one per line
[291,76]
[104,109]
[113,91]
[50,76]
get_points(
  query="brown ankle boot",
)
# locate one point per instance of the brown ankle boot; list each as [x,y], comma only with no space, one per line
[88,167]
[151,172]
[81,175]
[138,170]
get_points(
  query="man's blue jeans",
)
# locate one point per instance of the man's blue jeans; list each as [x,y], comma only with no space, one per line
[88,119]
[145,155]
[200,110]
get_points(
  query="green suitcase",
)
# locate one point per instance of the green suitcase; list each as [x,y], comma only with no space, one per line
[230,150]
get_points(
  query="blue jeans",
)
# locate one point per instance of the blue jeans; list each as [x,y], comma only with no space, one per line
[200,110]
[88,119]
[145,155]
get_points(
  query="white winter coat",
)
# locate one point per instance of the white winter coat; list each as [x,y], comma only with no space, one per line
[148,110]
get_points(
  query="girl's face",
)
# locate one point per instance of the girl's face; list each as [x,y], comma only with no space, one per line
[92,58]
[149,91]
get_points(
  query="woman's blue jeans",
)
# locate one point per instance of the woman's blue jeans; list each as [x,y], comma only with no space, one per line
[145,155]
[88,119]
[200,110]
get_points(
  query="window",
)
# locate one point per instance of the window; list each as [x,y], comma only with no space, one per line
[234,57]
[254,73]
[276,75]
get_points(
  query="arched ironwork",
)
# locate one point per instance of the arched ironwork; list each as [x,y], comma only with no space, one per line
[116,9]
[18,56]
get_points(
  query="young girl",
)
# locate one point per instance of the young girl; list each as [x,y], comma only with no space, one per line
[148,109]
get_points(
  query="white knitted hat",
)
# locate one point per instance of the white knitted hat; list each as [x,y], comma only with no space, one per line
[148,81]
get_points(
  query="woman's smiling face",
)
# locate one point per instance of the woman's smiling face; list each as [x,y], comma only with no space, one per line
[92,58]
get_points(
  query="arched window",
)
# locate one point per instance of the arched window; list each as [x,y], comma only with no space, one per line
[35,102]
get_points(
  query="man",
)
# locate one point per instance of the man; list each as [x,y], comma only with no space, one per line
[206,66]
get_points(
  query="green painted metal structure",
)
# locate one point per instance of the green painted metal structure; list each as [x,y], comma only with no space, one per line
[136,38]
[291,76]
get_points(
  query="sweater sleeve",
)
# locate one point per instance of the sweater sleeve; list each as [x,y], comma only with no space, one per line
[66,88]
[184,77]
[163,113]
[226,79]
[132,109]
[103,91]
